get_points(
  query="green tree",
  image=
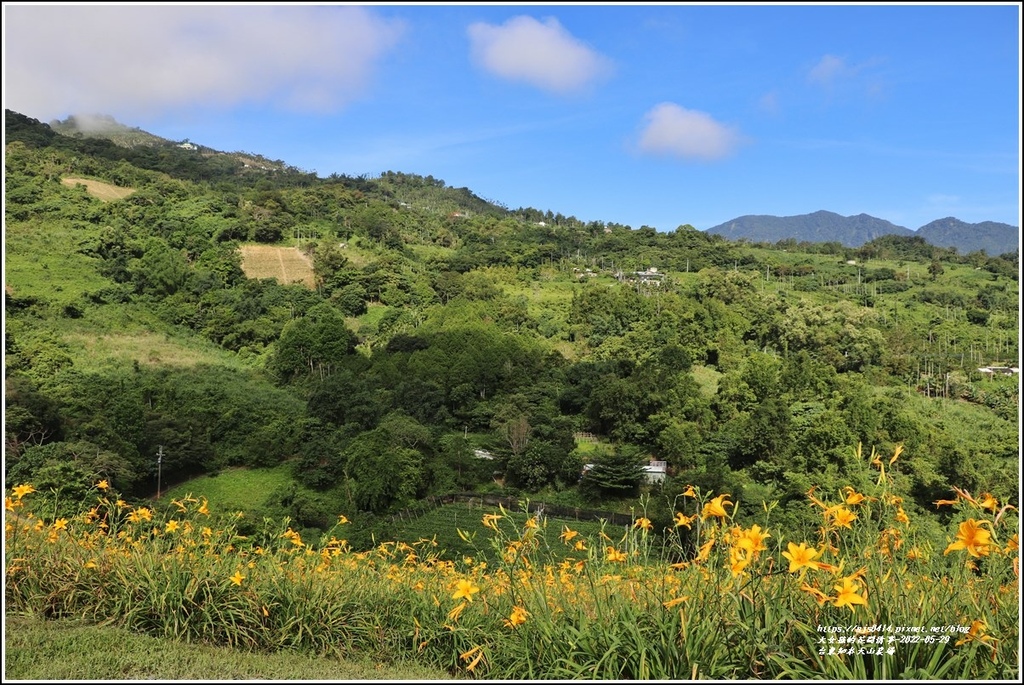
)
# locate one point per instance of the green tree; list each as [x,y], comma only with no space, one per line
[614,475]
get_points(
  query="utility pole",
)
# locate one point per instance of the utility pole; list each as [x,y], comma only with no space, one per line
[159,461]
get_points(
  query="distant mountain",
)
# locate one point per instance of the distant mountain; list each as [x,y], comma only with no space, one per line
[991,236]
[853,231]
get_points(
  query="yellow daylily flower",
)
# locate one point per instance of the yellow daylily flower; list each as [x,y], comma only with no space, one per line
[716,507]
[973,538]
[752,539]
[517,618]
[612,554]
[852,496]
[683,520]
[848,594]
[843,517]
[976,633]
[22,490]
[465,589]
[987,501]
[819,596]
[801,556]
[237,578]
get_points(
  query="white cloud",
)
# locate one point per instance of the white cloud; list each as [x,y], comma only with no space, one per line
[827,70]
[544,55]
[679,132]
[70,59]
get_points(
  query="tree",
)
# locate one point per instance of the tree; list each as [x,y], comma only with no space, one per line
[314,344]
[614,475]
[382,474]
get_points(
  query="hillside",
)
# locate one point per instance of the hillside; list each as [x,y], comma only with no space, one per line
[433,325]
[855,231]
[991,236]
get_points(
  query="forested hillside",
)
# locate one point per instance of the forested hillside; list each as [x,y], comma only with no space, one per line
[442,326]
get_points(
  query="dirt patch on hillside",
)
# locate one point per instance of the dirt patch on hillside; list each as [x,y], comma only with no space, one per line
[106,192]
[287,264]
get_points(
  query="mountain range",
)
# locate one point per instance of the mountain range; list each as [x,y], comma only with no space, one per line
[819,227]
[854,231]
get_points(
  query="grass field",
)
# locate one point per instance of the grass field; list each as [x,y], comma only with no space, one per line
[286,264]
[236,489]
[99,189]
[35,649]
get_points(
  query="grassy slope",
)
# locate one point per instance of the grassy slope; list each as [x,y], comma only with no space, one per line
[235,489]
[35,649]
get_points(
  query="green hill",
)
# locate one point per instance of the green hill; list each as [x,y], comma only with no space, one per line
[438,326]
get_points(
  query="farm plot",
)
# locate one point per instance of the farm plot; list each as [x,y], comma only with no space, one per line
[286,264]
[98,189]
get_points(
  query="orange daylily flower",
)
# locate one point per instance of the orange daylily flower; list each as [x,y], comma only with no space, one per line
[752,539]
[517,618]
[716,507]
[989,502]
[973,538]
[852,496]
[22,490]
[819,596]
[612,554]
[683,520]
[976,633]
[843,517]
[705,550]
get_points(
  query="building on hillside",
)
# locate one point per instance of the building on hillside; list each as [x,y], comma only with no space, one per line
[656,471]
[999,370]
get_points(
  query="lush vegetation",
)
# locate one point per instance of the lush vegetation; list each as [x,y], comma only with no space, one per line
[452,344]
[865,596]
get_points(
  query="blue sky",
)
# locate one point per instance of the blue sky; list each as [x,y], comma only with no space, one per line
[656,114]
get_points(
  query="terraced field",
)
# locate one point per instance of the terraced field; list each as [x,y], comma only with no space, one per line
[286,264]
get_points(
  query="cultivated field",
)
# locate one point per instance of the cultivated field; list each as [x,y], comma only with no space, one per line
[286,264]
[99,189]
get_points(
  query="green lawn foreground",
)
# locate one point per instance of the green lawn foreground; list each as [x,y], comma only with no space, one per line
[36,649]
